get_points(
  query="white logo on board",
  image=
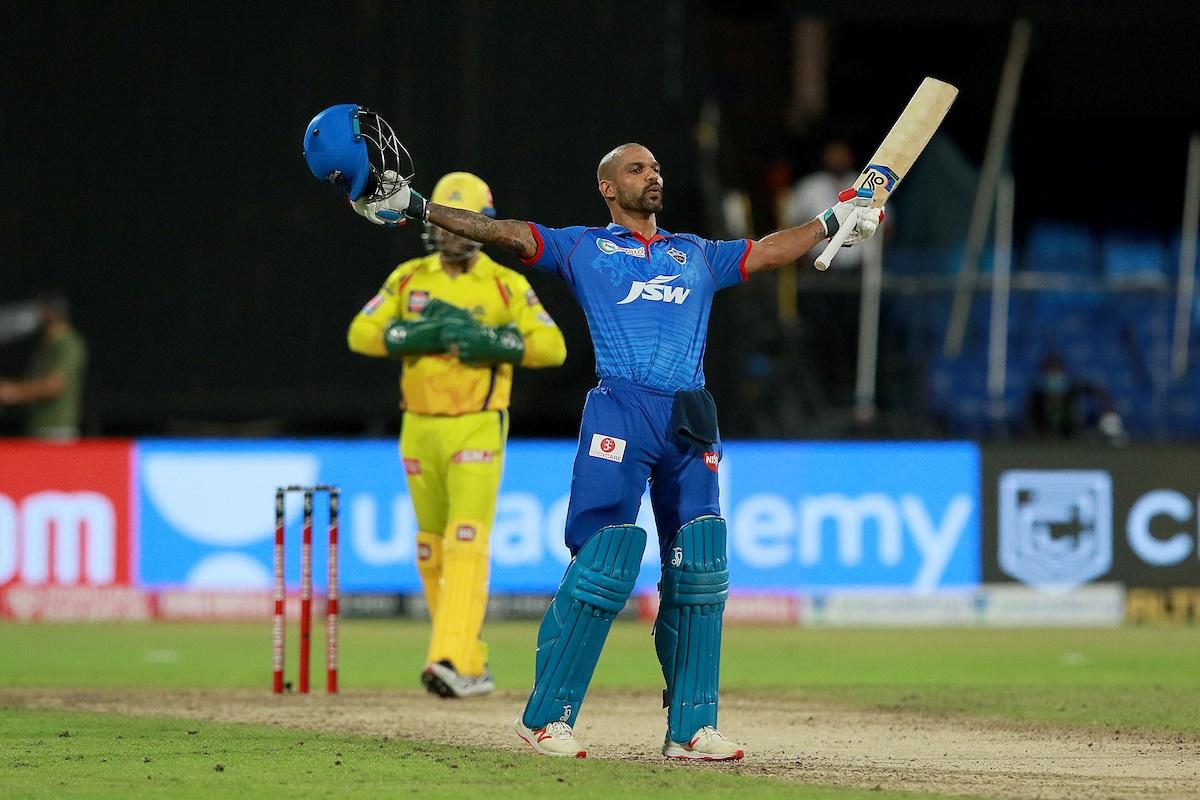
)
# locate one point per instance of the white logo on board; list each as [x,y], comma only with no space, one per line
[58,538]
[1055,526]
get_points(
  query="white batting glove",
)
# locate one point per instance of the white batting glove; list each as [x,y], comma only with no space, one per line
[852,209]
[393,211]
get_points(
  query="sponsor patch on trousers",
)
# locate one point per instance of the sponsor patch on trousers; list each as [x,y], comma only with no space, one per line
[610,448]
[465,533]
[424,552]
[473,457]
[412,466]
[711,460]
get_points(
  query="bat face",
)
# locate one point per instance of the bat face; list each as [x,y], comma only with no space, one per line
[895,156]
[907,138]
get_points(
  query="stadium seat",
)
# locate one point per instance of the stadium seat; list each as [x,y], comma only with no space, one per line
[1061,247]
[1125,255]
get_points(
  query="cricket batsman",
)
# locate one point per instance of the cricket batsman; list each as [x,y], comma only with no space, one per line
[646,293]
[459,323]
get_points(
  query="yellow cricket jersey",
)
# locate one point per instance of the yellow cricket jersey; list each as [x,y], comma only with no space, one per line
[494,295]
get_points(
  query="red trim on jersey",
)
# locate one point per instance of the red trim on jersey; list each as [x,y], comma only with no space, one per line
[647,242]
[742,263]
[540,246]
[404,282]
[504,294]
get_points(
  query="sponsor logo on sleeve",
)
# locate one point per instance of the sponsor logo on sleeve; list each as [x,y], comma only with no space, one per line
[531,298]
[412,466]
[373,304]
[417,300]
[711,460]
[610,448]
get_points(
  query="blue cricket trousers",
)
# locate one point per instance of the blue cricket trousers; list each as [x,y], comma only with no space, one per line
[625,441]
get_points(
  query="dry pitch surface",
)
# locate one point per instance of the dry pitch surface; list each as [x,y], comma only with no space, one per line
[790,738]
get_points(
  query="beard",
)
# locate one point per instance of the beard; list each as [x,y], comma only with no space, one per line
[640,201]
[454,247]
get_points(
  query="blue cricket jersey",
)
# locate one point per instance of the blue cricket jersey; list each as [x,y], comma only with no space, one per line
[646,301]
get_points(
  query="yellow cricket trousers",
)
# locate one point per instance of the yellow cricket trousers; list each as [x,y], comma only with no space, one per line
[453,466]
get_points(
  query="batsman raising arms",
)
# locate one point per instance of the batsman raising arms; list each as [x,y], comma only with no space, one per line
[459,322]
[646,293]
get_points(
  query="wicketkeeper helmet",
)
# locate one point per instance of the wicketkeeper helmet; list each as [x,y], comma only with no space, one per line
[458,190]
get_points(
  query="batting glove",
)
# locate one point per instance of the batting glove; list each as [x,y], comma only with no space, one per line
[852,209]
[396,210]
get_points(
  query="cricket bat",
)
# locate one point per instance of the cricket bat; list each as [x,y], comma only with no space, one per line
[899,150]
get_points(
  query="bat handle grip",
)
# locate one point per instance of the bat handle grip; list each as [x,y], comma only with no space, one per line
[835,242]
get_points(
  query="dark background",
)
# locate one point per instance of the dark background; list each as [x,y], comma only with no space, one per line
[153,169]
[1135,472]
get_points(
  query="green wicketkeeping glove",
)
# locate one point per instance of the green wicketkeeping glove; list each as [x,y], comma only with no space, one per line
[413,338]
[441,310]
[483,344]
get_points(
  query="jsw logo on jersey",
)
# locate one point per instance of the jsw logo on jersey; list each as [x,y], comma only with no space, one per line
[657,289]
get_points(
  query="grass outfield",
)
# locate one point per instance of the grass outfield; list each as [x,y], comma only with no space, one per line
[99,755]
[1145,677]
[1126,678]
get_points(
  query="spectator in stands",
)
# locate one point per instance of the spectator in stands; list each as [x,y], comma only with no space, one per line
[52,392]
[829,320]
[810,195]
[1059,406]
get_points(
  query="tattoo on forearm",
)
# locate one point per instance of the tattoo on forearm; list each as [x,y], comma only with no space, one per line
[509,234]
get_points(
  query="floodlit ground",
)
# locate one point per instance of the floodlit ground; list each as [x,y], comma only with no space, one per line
[823,713]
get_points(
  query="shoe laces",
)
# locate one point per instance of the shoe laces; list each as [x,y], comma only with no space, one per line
[709,732]
[559,730]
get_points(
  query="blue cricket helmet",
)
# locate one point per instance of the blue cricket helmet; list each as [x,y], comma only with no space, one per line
[355,148]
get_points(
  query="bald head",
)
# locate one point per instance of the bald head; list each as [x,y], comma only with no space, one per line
[609,164]
[630,178]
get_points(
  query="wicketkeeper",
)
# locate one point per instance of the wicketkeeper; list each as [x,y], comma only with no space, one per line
[646,293]
[459,322]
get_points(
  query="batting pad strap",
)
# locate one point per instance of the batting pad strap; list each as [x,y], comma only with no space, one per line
[687,633]
[600,591]
[597,583]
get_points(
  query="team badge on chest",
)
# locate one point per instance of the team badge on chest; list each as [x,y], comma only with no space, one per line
[678,255]
[417,300]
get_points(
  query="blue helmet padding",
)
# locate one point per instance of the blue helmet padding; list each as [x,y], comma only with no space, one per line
[687,633]
[333,145]
[598,582]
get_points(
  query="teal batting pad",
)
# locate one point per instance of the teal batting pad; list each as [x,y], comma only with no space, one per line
[687,633]
[594,590]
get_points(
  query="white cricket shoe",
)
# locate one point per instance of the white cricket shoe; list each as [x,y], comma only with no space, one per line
[556,739]
[707,745]
[443,680]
